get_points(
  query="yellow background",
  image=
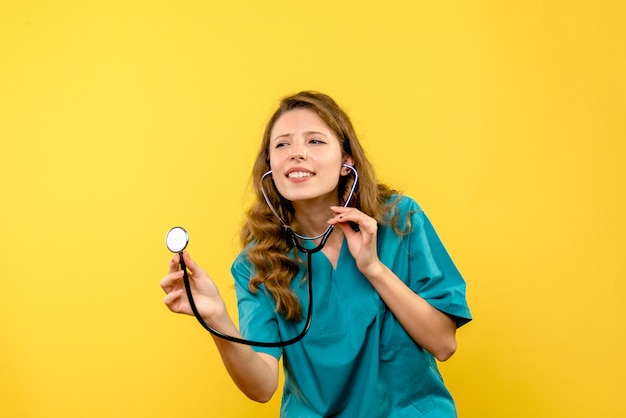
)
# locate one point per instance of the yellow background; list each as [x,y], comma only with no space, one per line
[120,119]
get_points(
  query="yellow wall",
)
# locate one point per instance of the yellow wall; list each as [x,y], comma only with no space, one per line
[120,119]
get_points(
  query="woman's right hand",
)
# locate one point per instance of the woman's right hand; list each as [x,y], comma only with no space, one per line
[256,374]
[205,293]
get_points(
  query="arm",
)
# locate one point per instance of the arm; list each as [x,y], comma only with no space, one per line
[430,328]
[255,374]
[427,326]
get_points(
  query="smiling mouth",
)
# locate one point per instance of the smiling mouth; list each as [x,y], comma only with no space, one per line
[299,174]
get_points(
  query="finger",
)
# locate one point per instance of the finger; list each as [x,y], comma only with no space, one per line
[348,213]
[172,297]
[347,229]
[343,214]
[341,209]
[367,224]
[358,224]
[169,281]
[174,263]
[354,217]
[191,265]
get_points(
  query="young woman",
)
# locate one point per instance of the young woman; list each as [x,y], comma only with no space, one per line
[387,298]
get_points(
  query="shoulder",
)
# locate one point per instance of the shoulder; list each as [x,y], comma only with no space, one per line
[403,203]
[241,266]
[241,258]
[402,209]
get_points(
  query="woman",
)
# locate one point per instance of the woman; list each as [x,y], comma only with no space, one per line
[387,296]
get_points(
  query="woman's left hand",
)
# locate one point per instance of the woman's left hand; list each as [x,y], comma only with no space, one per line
[360,231]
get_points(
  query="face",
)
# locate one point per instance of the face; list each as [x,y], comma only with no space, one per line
[305,157]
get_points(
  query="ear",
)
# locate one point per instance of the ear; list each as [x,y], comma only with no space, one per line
[347,160]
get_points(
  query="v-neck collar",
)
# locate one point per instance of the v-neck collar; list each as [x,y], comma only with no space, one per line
[342,247]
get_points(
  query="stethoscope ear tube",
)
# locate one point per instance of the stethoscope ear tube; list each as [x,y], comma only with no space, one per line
[293,233]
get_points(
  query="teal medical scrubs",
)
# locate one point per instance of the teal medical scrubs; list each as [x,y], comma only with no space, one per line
[357,360]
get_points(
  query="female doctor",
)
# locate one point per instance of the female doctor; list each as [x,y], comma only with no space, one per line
[388,297]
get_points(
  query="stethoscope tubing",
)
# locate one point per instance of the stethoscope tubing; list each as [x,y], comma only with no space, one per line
[308,251]
[230,338]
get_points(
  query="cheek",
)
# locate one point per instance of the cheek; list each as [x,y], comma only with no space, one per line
[275,165]
[276,157]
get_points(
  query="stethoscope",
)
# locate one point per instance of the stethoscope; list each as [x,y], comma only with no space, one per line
[177,240]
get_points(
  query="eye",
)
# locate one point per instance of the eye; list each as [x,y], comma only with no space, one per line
[315,141]
[281,144]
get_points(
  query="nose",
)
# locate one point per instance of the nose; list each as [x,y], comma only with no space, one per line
[298,153]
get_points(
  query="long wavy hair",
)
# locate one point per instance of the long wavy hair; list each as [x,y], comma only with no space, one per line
[266,242]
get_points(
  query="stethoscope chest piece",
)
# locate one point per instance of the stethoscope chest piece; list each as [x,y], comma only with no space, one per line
[177,239]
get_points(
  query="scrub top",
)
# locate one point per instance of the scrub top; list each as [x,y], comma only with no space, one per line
[357,360]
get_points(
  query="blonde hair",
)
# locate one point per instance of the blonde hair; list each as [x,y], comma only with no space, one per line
[266,242]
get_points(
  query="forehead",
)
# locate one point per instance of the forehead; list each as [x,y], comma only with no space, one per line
[297,121]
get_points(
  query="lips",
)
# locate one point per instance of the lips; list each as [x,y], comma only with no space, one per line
[299,173]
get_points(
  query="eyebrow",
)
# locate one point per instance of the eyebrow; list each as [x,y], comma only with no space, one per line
[305,133]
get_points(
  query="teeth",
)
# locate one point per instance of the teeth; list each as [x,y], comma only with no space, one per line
[298,174]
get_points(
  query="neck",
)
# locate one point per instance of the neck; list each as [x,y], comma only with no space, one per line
[312,217]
